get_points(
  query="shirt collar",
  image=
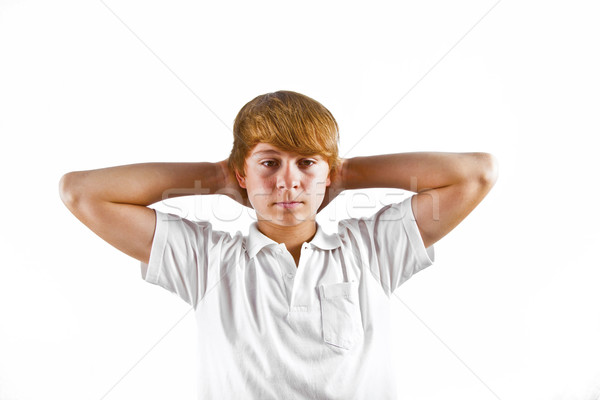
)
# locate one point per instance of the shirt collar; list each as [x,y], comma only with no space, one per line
[257,240]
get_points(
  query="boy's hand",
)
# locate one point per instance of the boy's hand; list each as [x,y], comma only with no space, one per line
[337,185]
[230,186]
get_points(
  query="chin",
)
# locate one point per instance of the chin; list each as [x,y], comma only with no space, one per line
[288,220]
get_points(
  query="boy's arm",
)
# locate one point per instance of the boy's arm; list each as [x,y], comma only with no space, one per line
[113,201]
[448,185]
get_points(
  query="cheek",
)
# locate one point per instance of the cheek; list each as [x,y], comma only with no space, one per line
[259,185]
[319,183]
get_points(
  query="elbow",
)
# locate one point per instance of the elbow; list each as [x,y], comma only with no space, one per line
[480,169]
[66,189]
[487,168]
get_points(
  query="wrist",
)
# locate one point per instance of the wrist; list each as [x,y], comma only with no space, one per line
[346,174]
[222,174]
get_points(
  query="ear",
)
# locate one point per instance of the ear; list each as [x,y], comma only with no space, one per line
[241,180]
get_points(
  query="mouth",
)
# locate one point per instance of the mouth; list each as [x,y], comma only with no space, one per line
[289,204]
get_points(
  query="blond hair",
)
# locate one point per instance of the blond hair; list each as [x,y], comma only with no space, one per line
[288,120]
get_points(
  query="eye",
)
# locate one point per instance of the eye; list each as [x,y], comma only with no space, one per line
[268,163]
[307,163]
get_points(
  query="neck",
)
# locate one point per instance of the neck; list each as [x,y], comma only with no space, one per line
[292,236]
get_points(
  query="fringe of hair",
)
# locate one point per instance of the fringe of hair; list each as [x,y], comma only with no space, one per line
[288,120]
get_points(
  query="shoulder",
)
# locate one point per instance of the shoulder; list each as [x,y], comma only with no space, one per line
[390,216]
[200,232]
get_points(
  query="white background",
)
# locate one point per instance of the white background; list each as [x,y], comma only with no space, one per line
[510,309]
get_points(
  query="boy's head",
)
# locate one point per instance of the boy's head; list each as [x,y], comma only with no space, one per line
[289,121]
[285,149]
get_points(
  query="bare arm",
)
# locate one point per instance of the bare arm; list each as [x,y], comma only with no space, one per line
[142,184]
[113,201]
[448,185]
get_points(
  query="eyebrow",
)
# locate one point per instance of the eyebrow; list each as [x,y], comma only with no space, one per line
[271,151]
[258,153]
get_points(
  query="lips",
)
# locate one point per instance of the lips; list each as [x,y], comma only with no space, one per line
[289,204]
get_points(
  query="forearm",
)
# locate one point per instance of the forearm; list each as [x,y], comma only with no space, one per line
[142,184]
[417,171]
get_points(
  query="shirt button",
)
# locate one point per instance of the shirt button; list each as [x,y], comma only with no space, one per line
[290,276]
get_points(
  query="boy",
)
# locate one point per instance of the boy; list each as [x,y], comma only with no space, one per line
[287,312]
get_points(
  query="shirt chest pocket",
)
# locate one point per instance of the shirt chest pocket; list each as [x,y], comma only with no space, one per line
[340,314]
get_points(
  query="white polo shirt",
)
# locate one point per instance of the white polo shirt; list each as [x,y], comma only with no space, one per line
[269,330]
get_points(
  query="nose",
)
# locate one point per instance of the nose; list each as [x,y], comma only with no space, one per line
[288,177]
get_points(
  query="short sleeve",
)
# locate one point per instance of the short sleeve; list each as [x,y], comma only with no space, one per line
[184,258]
[389,244]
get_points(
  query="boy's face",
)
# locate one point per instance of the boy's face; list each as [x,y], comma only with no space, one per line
[284,188]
